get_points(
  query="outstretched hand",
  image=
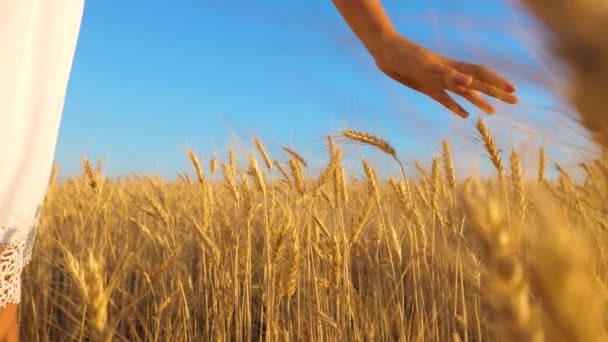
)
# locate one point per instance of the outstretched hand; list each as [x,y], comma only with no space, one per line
[434,75]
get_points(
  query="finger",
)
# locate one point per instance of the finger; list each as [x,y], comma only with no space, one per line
[448,102]
[454,79]
[489,76]
[476,99]
[491,90]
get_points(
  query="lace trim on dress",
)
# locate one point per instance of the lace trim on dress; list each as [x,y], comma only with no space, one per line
[14,256]
[11,265]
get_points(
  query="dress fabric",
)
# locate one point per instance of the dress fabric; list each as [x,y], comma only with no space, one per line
[37,43]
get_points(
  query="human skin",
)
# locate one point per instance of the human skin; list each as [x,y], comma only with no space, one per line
[419,68]
[9,331]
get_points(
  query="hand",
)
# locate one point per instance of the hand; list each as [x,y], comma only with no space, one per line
[434,75]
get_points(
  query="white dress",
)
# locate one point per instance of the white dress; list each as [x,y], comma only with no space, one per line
[37,44]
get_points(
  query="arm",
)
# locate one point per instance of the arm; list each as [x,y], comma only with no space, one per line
[368,20]
[419,68]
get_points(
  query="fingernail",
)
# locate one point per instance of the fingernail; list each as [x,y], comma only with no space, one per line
[511,88]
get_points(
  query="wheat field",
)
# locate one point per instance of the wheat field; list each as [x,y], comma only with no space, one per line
[267,252]
[271,251]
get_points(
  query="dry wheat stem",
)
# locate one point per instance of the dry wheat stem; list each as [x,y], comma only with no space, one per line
[213,166]
[296,173]
[197,167]
[296,156]
[381,144]
[448,165]
[88,169]
[263,153]
[541,165]
[518,186]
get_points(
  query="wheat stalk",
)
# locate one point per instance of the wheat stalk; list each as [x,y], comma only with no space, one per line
[490,146]
[448,165]
[197,167]
[372,179]
[562,267]
[506,284]
[230,181]
[282,170]
[213,166]
[331,146]
[296,172]
[296,155]
[360,221]
[518,186]
[256,174]
[340,190]
[381,144]
[334,162]
[368,139]
[263,153]
[541,165]
[435,184]
[91,177]
[290,274]
[232,160]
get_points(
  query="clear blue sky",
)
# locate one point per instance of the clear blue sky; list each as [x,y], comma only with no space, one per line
[153,78]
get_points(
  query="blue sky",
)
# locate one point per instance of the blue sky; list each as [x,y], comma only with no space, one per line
[151,79]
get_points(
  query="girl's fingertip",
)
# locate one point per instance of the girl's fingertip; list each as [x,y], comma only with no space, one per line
[511,88]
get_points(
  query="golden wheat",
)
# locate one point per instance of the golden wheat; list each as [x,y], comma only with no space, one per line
[247,259]
[263,153]
[197,167]
[90,175]
[517,180]
[448,165]
[213,166]
[490,145]
[296,156]
[541,165]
